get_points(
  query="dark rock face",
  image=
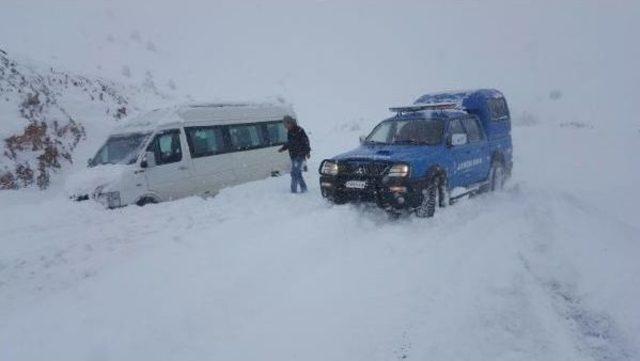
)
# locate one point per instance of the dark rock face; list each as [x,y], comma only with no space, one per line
[51,130]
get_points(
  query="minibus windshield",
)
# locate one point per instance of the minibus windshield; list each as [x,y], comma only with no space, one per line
[120,149]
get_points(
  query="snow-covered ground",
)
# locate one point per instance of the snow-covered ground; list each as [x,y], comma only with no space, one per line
[546,270]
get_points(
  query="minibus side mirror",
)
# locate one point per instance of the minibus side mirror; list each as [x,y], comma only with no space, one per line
[363,139]
[149,160]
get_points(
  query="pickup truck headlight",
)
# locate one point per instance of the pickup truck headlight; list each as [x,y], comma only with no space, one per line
[329,167]
[399,171]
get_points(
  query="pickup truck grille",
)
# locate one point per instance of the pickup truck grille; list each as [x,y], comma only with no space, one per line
[362,168]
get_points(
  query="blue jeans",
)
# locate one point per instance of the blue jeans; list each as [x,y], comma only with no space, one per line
[296,175]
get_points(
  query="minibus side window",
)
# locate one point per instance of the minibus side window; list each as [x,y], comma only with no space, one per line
[245,136]
[166,147]
[276,133]
[205,141]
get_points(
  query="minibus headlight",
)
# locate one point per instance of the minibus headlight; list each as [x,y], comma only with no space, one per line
[329,167]
[113,199]
[398,170]
[110,199]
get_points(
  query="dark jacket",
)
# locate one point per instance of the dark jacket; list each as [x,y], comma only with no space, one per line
[297,143]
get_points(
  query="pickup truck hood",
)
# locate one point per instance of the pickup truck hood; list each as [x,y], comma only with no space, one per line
[392,153]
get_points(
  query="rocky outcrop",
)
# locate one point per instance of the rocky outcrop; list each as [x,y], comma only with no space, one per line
[40,130]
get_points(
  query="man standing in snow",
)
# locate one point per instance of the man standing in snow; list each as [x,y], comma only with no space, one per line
[298,146]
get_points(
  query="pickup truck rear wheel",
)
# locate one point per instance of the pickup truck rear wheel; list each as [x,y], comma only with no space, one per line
[497,176]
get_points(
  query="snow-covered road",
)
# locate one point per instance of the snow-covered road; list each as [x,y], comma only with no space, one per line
[546,270]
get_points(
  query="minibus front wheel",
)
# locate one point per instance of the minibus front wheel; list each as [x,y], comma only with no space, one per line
[146,200]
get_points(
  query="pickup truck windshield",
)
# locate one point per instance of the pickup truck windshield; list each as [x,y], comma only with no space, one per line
[123,149]
[408,131]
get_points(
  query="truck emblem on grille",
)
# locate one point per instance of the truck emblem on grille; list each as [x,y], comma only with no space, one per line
[360,171]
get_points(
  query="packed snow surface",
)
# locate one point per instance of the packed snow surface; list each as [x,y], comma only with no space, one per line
[546,270]
[85,181]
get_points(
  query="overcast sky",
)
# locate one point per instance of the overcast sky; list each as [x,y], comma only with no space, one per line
[348,58]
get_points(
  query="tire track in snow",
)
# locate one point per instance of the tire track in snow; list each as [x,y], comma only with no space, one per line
[596,333]
[502,319]
[591,332]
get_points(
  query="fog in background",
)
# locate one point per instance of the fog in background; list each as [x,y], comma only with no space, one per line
[347,60]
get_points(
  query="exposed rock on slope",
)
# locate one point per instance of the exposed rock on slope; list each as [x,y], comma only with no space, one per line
[42,118]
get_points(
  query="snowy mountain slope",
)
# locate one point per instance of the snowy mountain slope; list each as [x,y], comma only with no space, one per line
[544,271]
[46,114]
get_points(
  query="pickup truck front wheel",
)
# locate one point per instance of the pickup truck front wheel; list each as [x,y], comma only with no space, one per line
[433,196]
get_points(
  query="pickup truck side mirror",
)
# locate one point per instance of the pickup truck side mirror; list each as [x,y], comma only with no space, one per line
[149,160]
[458,139]
[363,139]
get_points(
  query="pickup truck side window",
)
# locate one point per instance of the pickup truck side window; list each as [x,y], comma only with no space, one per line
[455,127]
[166,147]
[473,129]
[499,110]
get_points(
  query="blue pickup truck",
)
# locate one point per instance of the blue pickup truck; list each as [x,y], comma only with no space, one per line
[444,146]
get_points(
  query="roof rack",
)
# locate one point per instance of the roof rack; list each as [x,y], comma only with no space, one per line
[421,107]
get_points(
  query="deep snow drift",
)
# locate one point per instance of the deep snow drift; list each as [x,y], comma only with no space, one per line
[546,270]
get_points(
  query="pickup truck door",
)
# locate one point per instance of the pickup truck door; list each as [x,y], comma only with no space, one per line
[462,154]
[478,159]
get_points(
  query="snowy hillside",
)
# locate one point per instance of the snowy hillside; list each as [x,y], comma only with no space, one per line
[47,113]
[545,270]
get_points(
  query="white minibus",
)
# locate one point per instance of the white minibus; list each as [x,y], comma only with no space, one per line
[189,150]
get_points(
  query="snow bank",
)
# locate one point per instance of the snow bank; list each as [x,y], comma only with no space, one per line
[542,271]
